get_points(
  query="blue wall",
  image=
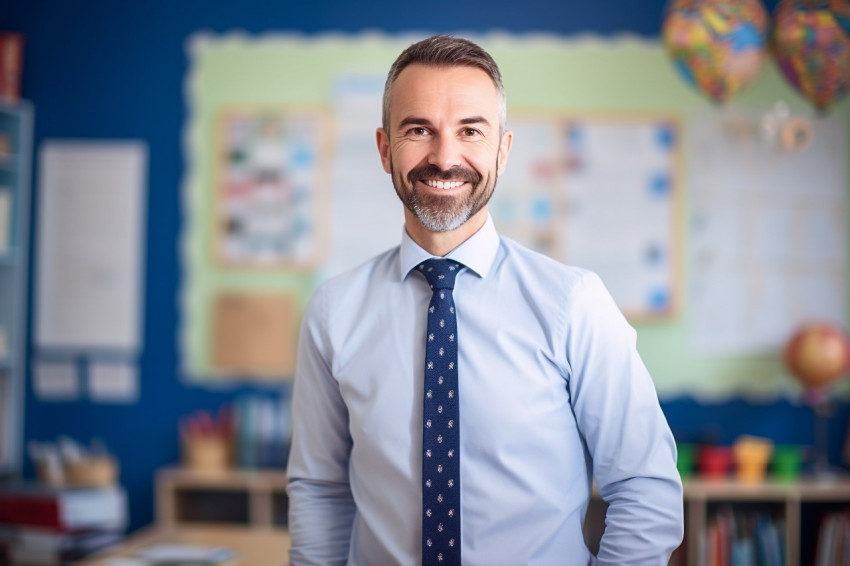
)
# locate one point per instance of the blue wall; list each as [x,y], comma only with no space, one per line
[107,69]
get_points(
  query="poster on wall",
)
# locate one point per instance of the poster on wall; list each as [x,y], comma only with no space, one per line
[89,291]
[272,187]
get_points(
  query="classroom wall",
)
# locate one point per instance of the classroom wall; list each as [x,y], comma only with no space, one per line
[115,70]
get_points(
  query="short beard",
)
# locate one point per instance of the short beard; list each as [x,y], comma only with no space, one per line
[443,213]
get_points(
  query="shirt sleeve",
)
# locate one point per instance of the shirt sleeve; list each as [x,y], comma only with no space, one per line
[629,441]
[321,507]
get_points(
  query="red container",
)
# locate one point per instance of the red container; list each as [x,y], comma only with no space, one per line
[714,462]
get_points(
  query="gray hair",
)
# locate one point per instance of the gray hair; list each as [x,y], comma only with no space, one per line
[445,51]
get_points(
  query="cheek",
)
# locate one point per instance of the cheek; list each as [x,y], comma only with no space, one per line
[404,158]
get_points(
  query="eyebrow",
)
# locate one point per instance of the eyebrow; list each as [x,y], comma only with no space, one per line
[414,121]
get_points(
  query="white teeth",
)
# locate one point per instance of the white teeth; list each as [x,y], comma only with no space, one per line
[444,184]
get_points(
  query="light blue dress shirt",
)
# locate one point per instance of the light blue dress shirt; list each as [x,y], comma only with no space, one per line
[552,393]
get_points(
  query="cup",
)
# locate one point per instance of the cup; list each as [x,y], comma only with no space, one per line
[685,458]
[714,461]
[787,461]
[751,457]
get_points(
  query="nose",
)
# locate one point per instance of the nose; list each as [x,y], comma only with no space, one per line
[445,152]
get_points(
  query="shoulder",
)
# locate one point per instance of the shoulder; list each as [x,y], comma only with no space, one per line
[567,292]
[543,270]
[354,283]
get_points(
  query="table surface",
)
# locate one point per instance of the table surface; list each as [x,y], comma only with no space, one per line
[254,547]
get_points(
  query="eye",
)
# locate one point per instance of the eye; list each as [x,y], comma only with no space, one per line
[418,131]
[470,132]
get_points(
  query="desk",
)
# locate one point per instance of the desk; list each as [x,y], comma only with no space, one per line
[255,547]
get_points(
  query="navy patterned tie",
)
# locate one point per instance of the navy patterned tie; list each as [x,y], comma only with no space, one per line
[441,426]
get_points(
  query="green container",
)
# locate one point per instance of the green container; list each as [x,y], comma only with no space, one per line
[786,462]
[686,456]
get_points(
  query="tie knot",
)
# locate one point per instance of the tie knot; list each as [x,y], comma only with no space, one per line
[440,273]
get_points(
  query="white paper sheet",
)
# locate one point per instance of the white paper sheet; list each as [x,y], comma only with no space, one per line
[90,243]
[113,382]
[56,381]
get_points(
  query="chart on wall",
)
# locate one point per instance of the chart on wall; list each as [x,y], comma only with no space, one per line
[768,232]
[600,192]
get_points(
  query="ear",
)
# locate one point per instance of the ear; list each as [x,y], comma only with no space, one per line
[504,151]
[383,141]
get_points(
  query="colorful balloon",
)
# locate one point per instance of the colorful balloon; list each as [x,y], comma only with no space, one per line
[719,46]
[841,11]
[812,49]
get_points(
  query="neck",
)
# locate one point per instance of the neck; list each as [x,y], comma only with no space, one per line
[440,244]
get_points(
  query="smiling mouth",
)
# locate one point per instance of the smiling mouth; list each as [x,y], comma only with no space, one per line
[445,185]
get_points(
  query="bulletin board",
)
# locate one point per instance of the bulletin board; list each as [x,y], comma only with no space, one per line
[604,137]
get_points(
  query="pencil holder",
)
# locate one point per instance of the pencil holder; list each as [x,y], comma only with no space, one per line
[206,453]
[95,471]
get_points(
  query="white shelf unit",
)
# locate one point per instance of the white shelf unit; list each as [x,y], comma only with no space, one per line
[15,189]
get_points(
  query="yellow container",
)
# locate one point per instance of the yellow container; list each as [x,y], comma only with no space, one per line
[752,455]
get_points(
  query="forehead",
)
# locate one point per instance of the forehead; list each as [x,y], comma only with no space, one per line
[447,92]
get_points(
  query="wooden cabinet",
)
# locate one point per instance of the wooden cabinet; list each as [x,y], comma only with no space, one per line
[15,160]
[242,497]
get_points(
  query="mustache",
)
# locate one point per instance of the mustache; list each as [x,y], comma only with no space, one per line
[431,171]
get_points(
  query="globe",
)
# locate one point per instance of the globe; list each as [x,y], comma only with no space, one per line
[818,354]
[719,46]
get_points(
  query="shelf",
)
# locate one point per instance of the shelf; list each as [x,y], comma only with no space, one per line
[255,498]
[258,499]
[15,159]
[770,490]
[9,258]
[9,162]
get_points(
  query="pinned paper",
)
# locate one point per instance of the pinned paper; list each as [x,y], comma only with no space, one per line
[254,334]
[113,382]
[56,381]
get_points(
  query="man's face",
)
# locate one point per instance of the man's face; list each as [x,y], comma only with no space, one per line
[443,150]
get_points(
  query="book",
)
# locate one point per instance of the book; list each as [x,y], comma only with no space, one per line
[64,510]
[5,219]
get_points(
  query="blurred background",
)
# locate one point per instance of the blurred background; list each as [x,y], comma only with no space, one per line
[166,254]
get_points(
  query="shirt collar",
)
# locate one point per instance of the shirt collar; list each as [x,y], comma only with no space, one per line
[477,252]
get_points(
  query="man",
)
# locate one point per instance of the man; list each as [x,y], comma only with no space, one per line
[540,383]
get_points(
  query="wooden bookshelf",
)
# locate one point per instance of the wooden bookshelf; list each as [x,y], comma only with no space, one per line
[258,499]
[785,500]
